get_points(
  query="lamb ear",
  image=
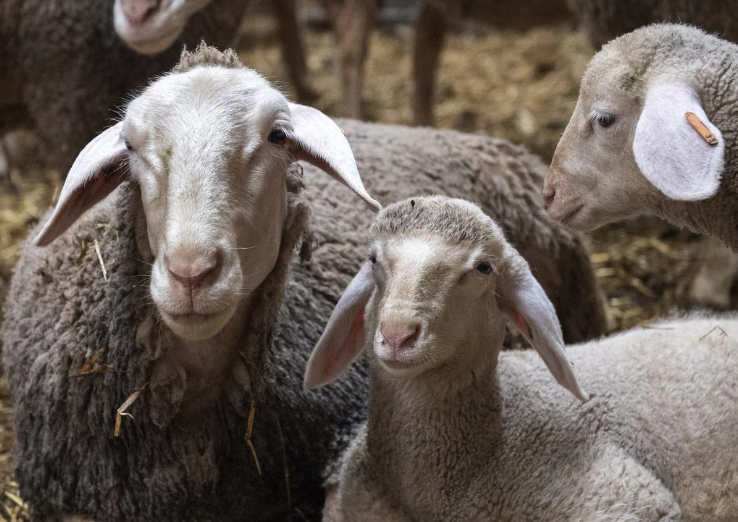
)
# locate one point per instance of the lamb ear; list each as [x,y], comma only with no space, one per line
[682,160]
[343,338]
[96,172]
[527,306]
[317,139]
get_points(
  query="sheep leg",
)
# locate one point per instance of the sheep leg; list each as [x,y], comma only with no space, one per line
[293,49]
[619,488]
[712,285]
[353,23]
[430,32]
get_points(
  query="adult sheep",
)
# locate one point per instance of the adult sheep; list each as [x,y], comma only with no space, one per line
[192,315]
[654,130]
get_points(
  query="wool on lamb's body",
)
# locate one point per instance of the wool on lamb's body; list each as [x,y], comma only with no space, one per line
[166,466]
[459,431]
[654,443]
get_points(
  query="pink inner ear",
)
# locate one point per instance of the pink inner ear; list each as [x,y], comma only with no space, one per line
[345,354]
[521,322]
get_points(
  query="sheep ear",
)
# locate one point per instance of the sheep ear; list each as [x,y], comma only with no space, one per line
[676,147]
[343,338]
[96,172]
[529,309]
[317,139]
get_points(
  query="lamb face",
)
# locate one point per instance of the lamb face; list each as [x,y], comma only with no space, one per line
[433,291]
[209,145]
[151,26]
[438,283]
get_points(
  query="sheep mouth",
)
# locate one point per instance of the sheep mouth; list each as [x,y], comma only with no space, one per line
[404,364]
[568,215]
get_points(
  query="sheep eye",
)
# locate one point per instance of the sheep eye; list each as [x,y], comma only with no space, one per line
[128,145]
[277,136]
[373,259]
[485,267]
[604,119]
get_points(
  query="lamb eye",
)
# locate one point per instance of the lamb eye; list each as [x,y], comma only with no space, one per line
[277,136]
[485,267]
[128,145]
[373,259]
[604,119]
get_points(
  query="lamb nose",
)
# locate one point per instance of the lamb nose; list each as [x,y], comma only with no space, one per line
[548,196]
[191,272]
[400,336]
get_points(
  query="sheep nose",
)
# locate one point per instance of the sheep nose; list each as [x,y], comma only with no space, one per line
[400,336]
[137,11]
[549,194]
[190,270]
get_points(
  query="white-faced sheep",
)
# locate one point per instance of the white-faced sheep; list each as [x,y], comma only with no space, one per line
[459,431]
[653,131]
[205,231]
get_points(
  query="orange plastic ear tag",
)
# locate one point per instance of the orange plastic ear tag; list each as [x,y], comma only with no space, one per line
[701,128]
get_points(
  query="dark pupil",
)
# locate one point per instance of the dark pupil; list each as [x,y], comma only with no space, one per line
[128,145]
[277,136]
[605,120]
[485,267]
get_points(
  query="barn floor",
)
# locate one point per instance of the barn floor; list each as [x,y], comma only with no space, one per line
[522,87]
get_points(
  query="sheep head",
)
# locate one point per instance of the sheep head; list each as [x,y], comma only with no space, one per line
[639,136]
[439,281]
[209,147]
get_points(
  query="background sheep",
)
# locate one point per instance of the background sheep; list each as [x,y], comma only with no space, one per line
[458,431]
[64,70]
[152,323]
[629,147]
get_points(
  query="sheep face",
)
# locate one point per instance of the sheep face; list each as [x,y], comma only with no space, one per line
[209,147]
[151,26]
[438,284]
[593,178]
[431,297]
[640,136]
[211,167]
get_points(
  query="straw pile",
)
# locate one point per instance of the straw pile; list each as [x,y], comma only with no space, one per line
[516,86]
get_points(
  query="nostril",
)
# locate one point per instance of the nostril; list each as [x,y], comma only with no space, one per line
[548,196]
[400,336]
[191,273]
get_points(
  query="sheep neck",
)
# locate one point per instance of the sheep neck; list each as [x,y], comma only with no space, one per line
[412,420]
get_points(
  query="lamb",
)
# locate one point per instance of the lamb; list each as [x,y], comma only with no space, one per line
[653,131]
[603,20]
[459,431]
[152,323]
[88,70]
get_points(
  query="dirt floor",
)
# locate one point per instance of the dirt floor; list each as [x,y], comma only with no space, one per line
[511,85]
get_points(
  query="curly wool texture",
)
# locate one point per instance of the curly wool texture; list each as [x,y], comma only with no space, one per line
[604,20]
[65,69]
[655,443]
[60,311]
